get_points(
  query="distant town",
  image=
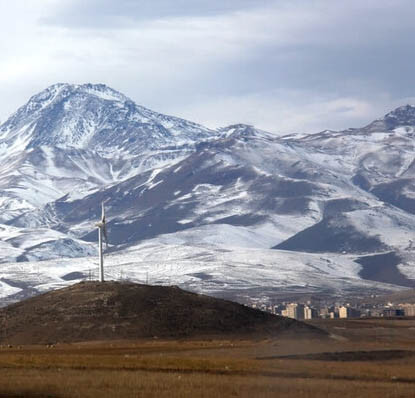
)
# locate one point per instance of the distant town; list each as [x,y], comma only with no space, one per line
[310,310]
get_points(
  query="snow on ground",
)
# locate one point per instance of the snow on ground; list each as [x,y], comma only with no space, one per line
[202,269]
[7,290]
[8,252]
[407,267]
[12,143]
[223,236]
[394,228]
[40,244]
[259,236]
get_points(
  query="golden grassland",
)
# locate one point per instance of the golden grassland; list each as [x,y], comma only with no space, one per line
[218,367]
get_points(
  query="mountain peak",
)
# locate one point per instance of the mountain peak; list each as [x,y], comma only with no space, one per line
[93,116]
[239,128]
[401,116]
[59,91]
[242,131]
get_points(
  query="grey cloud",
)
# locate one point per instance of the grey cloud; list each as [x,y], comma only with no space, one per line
[104,14]
[349,50]
[277,64]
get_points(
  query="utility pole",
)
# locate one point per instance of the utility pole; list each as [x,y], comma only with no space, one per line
[101,256]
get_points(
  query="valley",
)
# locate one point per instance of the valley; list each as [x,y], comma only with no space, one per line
[364,358]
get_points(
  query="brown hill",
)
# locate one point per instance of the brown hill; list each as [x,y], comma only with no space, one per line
[114,311]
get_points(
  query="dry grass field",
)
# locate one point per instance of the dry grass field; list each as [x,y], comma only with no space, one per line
[366,358]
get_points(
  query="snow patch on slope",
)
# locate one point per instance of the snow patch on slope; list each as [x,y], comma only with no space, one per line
[205,270]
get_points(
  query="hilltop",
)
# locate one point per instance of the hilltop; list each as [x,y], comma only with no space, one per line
[90,311]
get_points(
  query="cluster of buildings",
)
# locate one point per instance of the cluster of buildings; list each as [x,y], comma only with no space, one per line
[309,311]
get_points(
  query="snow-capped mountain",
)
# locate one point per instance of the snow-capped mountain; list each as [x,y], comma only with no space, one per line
[94,117]
[76,138]
[313,203]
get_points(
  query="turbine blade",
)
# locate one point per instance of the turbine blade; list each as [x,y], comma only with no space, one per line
[104,230]
[103,213]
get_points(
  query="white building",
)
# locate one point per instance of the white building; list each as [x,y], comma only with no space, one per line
[295,311]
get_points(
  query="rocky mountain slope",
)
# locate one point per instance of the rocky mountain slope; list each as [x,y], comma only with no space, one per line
[327,198]
[76,138]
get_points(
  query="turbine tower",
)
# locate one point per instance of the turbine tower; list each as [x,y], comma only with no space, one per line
[102,232]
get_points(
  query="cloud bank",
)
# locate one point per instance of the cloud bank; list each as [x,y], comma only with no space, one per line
[284,66]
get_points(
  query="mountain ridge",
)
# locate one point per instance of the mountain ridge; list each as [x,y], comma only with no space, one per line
[338,194]
[83,116]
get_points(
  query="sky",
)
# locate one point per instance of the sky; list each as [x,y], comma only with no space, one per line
[282,65]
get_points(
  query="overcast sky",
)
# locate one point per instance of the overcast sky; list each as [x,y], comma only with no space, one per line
[284,65]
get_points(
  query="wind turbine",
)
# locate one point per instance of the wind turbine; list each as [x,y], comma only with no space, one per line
[102,232]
